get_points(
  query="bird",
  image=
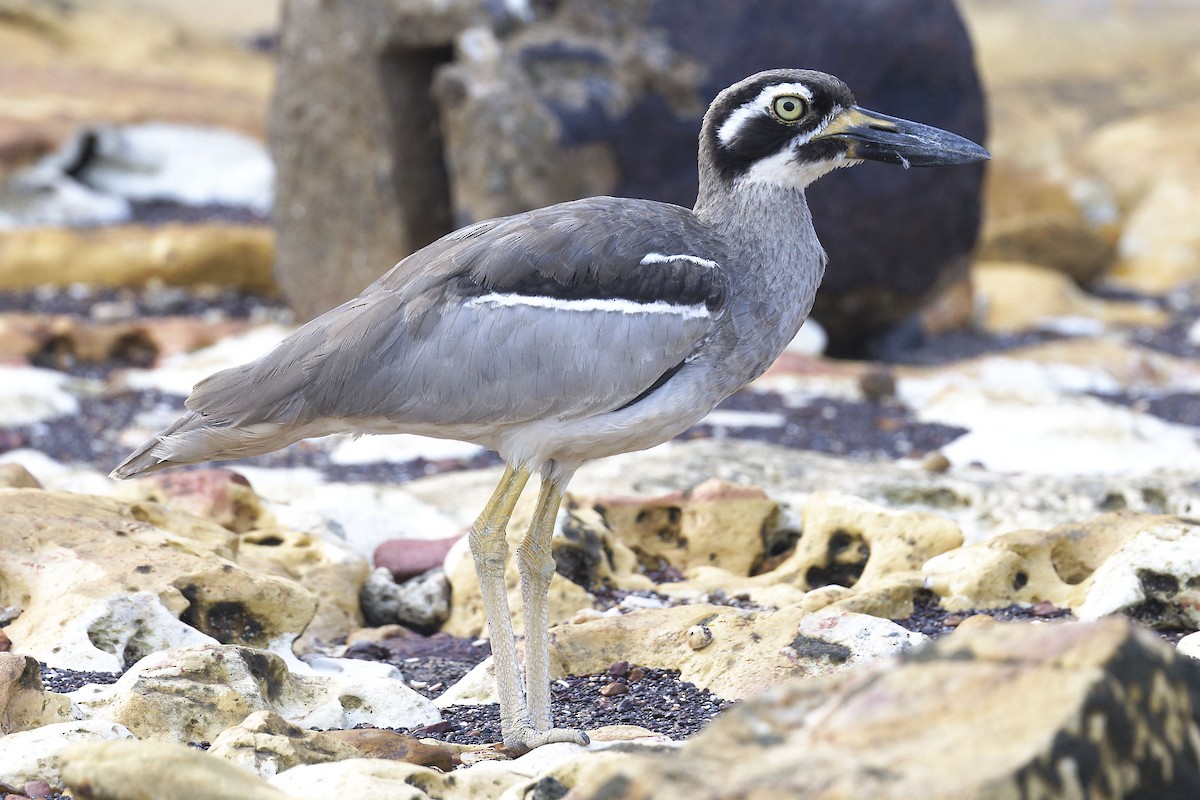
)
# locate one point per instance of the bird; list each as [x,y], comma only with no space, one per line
[569,333]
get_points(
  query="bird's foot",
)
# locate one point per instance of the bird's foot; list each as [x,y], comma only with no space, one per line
[524,738]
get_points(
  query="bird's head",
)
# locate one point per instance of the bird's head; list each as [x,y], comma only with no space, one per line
[789,127]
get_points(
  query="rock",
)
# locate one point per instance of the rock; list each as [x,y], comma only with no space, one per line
[554,103]
[1033,218]
[422,602]
[267,744]
[328,568]
[1057,566]
[1160,243]
[132,770]
[376,743]
[155,578]
[193,694]
[1189,646]
[396,780]
[408,558]
[65,341]
[830,640]
[352,102]
[716,523]
[1152,577]
[14,476]
[24,701]
[854,734]
[748,650]
[1159,246]
[131,255]
[219,494]
[34,754]
[1016,297]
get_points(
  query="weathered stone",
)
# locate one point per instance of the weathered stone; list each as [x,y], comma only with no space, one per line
[1016,297]
[194,694]
[34,754]
[376,743]
[219,494]
[366,777]
[267,744]
[329,569]
[1032,218]
[107,582]
[408,558]
[134,770]
[14,476]
[715,524]
[1153,577]
[352,109]
[132,255]
[24,701]
[748,650]
[940,724]
[64,341]
[1058,566]
[422,602]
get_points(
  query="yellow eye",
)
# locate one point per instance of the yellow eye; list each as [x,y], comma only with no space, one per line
[788,107]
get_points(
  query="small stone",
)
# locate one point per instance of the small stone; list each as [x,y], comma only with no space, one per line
[5,642]
[408,558]
[699,637]
[1044,609]
[877,384]
[974,622]
[614,688]
[38,789]
[936,462]
[636,674]
[619,670]
[953,620]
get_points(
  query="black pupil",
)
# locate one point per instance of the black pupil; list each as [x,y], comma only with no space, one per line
[789,106]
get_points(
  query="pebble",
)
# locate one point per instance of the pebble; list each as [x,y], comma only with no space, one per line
[614,688]
[699,637]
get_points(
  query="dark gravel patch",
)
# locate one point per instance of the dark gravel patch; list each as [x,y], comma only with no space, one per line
[160,212]
[97,302]
[61,680]
[655,699]
[922,350]
[430,664]
[931,619]
[859,429]
[1182,408]
[1172,339]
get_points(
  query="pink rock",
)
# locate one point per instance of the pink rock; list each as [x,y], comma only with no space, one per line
[38,789]
[219,494]
[407,558]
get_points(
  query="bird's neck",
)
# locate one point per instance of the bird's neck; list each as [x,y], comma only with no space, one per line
[769,231]
[776,264]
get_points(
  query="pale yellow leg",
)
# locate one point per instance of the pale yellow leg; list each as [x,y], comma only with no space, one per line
[535,563]
[490,550]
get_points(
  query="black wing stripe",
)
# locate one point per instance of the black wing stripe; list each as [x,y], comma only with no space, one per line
[654,387]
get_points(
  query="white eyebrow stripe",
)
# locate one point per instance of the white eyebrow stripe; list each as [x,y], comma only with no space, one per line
[660,258]
[759,105]
[608,305]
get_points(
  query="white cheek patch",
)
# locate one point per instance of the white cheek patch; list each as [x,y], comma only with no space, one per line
[660,258]
[760,105]
[606,305]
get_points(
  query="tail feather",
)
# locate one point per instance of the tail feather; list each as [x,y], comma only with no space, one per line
[194,438]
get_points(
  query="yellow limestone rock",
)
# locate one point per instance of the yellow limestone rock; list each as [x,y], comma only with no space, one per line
[104,582]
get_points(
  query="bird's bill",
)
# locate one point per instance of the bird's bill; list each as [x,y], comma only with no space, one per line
[871,136]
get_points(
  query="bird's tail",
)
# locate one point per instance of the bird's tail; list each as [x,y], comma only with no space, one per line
[195,437]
